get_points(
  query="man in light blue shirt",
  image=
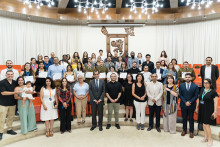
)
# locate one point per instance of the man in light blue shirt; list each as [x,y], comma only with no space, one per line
[132,59]
[54,69]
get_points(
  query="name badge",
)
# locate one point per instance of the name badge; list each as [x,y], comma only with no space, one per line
[50,99]
[201,102]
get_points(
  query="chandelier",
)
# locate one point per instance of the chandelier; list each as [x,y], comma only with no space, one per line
[93,5]
[144,5]
[199,3]
[39,3]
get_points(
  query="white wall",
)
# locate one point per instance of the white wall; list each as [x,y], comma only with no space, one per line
[21,40]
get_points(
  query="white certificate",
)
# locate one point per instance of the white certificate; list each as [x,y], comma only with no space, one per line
[159,76]
[89,75]
[184,73]
[70,77]
[123,75]
[28,78]
[134,76]
[42,74]
[102,75]
[57,76]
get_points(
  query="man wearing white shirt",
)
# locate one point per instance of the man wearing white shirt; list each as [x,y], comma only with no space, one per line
[9,65]
[101,54]
[158,71]
[209,71]
[154,92]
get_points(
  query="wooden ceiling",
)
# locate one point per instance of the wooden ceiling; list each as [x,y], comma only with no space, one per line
[64,15]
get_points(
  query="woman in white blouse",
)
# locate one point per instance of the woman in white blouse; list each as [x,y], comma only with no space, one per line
[163,56]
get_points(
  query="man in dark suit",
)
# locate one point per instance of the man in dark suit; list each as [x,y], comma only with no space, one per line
[158,71]
[97,93]
[188,94]
[209,71]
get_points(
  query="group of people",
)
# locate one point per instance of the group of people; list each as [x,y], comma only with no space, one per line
[131,81]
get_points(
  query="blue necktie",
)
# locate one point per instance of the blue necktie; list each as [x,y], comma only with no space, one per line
[188,87]
[97,86]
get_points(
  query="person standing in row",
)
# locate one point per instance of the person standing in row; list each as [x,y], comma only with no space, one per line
[9,65]
[209,71]
[69,72]
[7,102]
[140,100]
[128,98]
[27,113]
[188,95]
[154,92]
[149,63]
[64,94]
[207,109]
[132,60]
[170,95]
[97,93]
[184,70]
[88,68]
[39,83]
[49,103]
[46,62]
[51,60]
[113,93]
[81,91]
[158,71]
[56,69]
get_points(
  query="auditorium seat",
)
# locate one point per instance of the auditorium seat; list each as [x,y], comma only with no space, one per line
[218,66]
[37,107]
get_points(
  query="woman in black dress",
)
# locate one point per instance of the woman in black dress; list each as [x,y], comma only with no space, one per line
[39,80]
[123,69]
[207,109]
[128,98]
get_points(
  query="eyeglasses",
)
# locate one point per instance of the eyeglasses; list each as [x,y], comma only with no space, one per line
[206,83]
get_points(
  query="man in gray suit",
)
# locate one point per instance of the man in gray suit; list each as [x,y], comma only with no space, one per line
[97,93]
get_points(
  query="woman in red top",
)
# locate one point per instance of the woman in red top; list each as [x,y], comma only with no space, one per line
[64,94]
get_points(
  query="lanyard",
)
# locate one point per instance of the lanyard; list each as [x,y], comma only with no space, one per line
[50,92]
[27,73]
[204,93]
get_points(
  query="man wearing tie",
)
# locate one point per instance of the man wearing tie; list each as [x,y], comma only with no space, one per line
[97,93]
[188,95]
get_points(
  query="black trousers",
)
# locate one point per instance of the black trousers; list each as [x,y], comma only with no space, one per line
[154,109]
[94,107]
[65,117]
[190,113]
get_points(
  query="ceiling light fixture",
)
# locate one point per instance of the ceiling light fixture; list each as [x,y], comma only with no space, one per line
[39,3]
[199,3]
[145,5]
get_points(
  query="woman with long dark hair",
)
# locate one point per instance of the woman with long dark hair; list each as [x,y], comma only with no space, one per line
[128,99]
[39,80]
[49,103]
[64,94]
[27,113]
[163,56]
[140,100]
[207,109]
[27,71]
[170,71]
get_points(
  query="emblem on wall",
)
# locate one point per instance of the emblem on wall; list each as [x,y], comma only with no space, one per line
[117,42]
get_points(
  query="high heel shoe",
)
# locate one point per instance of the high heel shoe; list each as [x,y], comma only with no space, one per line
[210,144]
[204,140]
[51,133]
[47,133]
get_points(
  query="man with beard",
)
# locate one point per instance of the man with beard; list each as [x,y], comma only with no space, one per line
[209,71]
[132,59]
[9,65]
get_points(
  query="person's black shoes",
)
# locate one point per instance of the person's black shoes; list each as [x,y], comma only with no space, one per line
[108,126]
[1,134]
[158,130]
[100,128]
[92,128]
[16,113]
[11,132]
[150,128]
[117,126]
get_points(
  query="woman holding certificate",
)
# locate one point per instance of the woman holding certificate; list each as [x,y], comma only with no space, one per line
[122,73]
[79,69]
[49,103]
[81,91]
[70,76]
[40,76]
[111,70]
[27,73]
[170,71]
